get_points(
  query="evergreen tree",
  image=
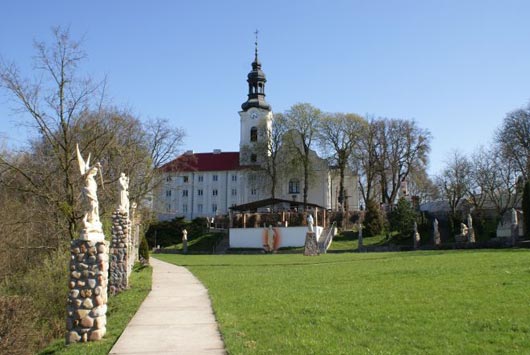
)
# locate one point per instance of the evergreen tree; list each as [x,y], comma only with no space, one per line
[144,249]
[373,220]
[526,209]
[402,218]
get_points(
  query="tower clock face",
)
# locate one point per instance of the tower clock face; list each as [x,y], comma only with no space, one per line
[254,115]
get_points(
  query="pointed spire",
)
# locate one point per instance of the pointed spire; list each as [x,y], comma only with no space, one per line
[256,44]
[256,64]
[256,83]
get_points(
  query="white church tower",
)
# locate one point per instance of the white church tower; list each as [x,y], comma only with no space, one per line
[256,115]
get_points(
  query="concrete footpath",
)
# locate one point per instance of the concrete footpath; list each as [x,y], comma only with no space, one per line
[175,318]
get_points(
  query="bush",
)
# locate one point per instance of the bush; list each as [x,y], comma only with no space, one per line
[144,249]
[526,209]
[373,220]
[37,294]
[402,218]
[196,228]
[165,233]
[18,326]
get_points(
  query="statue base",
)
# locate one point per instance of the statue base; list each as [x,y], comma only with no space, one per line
[96,236]
[87,300]
[311,244]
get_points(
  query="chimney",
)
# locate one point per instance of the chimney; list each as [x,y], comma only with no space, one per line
[217,151]
[189,152]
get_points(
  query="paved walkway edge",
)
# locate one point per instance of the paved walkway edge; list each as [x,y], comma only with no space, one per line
[175,318]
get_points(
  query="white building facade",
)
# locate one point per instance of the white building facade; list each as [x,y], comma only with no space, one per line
[208,184]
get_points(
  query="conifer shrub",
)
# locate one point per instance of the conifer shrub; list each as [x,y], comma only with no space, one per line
[402,218]
[144,250]
[373,219]
[526,209]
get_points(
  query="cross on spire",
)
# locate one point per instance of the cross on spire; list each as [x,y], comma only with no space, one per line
[256,43]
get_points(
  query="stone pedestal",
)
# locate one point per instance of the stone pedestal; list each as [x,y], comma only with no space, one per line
[87,300]
[471,235]
[436,238]
[119,253]
[311,244]
[416,237]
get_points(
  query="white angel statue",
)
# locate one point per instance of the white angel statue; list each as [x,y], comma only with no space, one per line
[92,229]
[124,193]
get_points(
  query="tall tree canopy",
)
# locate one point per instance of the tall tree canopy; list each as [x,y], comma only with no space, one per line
[302,122]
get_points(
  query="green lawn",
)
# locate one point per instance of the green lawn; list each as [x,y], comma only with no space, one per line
[121,308]
[203,244]
[451,302]
[348,241]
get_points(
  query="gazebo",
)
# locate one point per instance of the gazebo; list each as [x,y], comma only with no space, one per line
[278,205]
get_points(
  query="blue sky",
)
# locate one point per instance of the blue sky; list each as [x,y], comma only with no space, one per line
[456,67]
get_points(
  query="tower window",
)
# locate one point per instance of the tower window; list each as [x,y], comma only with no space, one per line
[253,157]
[294,186]
[253,134]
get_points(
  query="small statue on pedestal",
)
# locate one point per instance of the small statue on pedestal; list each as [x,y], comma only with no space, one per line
[92,228]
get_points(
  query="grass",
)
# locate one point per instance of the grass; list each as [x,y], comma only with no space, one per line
[203,244]
[450,302]
[121,309]
[348,241]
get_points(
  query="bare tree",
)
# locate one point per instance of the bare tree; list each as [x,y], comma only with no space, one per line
[339,136]
[419,184]
[455,181]
[365,162]
[494,180]
[302,121]
[268,148]
[66,110]
[54,103]
[514,139]
[403,147]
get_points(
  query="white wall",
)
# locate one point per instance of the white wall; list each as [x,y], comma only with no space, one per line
[253,237]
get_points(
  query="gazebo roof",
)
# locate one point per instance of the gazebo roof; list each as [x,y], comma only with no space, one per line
[270,202]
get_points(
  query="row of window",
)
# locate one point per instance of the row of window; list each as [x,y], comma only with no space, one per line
[215,192]
[200,208]
[294,188]
[200,178]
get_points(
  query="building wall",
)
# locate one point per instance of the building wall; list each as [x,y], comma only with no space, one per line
[211,193]
[198,194]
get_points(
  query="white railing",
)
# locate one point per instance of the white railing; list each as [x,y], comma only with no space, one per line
[324,244]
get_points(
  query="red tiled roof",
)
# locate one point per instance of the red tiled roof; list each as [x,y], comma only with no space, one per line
[204,162]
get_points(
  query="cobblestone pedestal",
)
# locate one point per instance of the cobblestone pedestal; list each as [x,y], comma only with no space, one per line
[311,244]
[119,252]
[87,301]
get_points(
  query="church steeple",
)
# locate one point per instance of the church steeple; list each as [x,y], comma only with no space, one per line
[256,84]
